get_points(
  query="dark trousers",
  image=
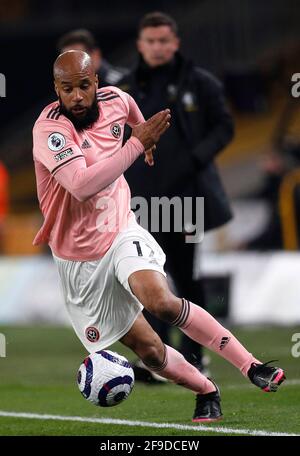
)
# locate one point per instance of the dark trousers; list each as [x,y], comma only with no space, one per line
[179,264]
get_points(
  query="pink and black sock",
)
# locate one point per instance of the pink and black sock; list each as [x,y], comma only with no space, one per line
[200,326]
[177,369]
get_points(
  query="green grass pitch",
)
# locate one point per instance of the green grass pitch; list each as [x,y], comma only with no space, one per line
[38,376]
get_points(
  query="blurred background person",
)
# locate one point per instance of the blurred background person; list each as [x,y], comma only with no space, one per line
[281,157]
[202,126]
[84,40]
[278,163]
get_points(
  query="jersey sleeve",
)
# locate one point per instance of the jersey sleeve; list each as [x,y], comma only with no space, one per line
[84,182]
[135,116]
[54,145]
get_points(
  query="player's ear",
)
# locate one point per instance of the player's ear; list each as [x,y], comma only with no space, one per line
[138,44]
[177,43]
[56,89]
[96,81]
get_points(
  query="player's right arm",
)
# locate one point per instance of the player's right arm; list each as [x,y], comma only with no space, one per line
[55,147]
[59,153]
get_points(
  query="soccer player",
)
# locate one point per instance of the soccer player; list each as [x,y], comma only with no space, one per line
[109,266]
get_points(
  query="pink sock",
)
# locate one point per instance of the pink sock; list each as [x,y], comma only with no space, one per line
[200,326]
[176,368]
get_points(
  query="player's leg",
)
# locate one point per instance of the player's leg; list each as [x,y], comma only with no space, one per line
[170,364]
[180,264]
[151,289]
[160,327]
[161,358]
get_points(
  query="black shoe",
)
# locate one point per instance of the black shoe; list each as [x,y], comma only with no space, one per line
[208,408]
[143,374]
[268,378]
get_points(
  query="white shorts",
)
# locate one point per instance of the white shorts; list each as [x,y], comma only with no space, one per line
[98,298]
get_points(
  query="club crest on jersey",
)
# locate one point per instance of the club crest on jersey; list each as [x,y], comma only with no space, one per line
[115,130]
[56,142]
[92,334]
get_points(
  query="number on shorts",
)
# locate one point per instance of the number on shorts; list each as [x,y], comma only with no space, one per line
[138,247]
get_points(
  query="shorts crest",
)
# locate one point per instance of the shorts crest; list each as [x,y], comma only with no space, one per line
[92,334]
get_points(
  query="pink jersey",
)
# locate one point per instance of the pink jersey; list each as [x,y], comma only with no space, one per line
[83,195]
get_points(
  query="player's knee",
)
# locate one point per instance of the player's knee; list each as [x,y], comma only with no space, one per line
[166,306]
[152,355]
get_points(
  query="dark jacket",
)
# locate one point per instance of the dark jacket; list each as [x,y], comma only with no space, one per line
[110,75]
[201,127]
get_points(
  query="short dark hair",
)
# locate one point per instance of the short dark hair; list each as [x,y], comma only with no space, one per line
[81,36]
[156,19]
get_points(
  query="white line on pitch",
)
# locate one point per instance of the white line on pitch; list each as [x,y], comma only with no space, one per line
[180,427]
[291,382]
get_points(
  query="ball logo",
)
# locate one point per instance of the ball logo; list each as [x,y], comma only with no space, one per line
[115,130]
[92,334]
[56,142]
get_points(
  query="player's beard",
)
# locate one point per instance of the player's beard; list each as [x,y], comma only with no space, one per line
[81,123]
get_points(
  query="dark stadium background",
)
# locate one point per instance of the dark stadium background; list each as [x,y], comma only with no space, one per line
[216,34]
[253,46]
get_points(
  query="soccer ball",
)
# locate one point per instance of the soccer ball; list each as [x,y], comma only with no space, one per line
[105,378]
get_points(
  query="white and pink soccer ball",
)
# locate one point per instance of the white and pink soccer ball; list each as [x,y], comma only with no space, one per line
[105,378]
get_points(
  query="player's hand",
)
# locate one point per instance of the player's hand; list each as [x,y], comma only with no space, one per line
[150,131]
[149,156]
